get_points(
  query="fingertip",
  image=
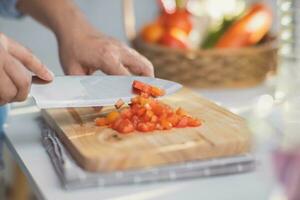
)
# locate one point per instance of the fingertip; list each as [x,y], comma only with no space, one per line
[48,75]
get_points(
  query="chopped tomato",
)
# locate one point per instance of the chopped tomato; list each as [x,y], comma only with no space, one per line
[174,119]
[146,114]
[183,122]
[125,126]
[193,122]
[126,113]
[119,104]
[145,126]
[181,112]
[142,87]
[101,121]
[166,125]
[145,90]
[113,116]
[156,92]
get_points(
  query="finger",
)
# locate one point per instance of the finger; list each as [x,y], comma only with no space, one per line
[20,76]
[30,61]
[112,65]
[8,90]
[137,63]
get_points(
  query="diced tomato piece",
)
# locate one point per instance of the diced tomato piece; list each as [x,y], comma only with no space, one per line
[174,119]
[116,123]
[193,122]
[119,104]
[154,119]
[135,100]
[181,112]
[183,122]
[138,85]
[145,113]
[157,109]
[142,87]
[156,92]
[145,95]
[166,125]
[112,116]
[147,116]
[135,120]
[101,121]
[141,111]
[145,126]
[126,113]
[125,126]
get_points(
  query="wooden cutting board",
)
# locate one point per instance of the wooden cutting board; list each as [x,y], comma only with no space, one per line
[103,149]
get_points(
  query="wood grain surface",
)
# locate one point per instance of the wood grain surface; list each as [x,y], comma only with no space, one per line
[103,149]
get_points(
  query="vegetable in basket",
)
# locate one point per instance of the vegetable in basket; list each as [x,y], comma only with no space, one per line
[171,28]
[249,29]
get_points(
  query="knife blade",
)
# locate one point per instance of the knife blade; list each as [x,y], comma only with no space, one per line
[92,91]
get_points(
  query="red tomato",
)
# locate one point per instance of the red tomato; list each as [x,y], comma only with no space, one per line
[152,32]
[180,19]
[172,42]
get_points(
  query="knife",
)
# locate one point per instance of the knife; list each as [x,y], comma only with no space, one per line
[91,91]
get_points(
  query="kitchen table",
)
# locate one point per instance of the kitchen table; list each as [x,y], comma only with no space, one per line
[23,140]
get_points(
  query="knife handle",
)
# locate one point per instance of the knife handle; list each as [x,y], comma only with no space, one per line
[37,80]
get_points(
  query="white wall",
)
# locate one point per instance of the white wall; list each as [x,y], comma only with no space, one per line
[106,15]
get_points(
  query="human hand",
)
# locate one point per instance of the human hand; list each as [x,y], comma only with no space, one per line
[16,65]
[88,51]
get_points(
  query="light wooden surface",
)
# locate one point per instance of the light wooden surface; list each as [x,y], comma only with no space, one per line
[102,149]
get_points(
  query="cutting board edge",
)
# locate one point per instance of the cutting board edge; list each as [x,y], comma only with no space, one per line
[79,158]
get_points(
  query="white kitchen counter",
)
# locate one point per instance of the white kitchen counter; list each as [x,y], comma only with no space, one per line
[23,141]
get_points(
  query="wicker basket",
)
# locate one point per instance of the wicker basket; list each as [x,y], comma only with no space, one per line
[214,68]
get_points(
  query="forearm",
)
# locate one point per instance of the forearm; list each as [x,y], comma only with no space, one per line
[63,17]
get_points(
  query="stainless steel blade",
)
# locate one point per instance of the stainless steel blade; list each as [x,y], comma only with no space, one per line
[87,91]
